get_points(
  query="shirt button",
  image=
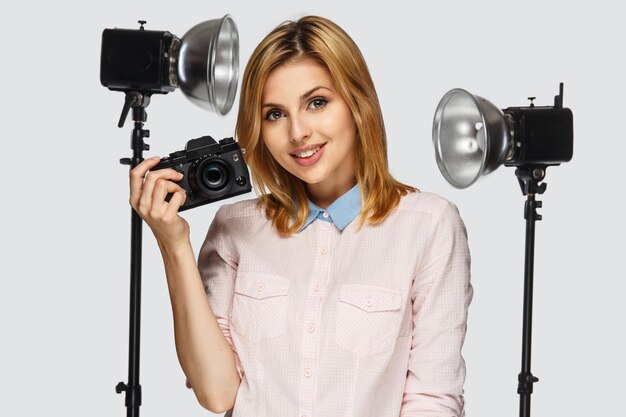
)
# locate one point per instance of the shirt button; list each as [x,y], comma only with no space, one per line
[317,288]
[308,372]
[324,250]
[325,214]
[311,327]
[368,302]
[260,286]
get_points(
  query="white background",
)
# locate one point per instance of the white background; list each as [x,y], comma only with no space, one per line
[65,217]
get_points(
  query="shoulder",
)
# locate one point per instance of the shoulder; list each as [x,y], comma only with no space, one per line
[239,209]
[431,215]
[235,219]
[428,203]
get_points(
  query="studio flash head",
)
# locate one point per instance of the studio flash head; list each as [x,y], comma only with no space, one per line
[473,137]
[204,64]
[140,60]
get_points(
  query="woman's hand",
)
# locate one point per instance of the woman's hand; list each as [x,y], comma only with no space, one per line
[147,197]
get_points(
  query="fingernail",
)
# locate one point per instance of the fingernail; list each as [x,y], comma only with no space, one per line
[155,158]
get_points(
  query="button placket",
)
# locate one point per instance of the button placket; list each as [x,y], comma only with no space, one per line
[311,316]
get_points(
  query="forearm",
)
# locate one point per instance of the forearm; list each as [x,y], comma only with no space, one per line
[204,353]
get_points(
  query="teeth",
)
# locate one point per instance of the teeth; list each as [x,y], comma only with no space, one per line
[308,153]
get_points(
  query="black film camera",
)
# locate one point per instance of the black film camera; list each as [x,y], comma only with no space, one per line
[211,171]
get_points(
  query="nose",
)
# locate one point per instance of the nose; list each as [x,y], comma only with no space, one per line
[299,129]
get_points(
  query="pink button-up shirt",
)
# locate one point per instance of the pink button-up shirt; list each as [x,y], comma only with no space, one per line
[330,323]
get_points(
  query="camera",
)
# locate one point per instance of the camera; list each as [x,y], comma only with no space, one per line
[211,171]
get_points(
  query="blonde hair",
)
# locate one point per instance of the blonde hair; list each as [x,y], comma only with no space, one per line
[283,195]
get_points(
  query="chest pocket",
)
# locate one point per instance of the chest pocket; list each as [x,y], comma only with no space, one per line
[368,319]
[260,305]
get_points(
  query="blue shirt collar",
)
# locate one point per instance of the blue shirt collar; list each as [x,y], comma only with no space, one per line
[341,212]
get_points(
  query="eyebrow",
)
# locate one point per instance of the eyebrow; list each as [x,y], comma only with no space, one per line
[302,97]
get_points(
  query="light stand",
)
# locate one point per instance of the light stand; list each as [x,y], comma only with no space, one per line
[472,138]
[529,178]
[138,102]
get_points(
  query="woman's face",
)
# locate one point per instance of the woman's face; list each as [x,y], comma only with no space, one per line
[309,129]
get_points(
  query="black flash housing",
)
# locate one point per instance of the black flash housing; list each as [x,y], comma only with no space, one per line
[138,60]
[540,135]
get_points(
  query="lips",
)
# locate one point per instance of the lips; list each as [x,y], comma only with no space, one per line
[306,148]
[312,160]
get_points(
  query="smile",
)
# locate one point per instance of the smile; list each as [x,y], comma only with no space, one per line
[310,156]
[308,153]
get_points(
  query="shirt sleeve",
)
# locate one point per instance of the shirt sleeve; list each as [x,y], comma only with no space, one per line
[441,293]
[218,269]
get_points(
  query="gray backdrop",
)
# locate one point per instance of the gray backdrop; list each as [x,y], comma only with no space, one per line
[65,223]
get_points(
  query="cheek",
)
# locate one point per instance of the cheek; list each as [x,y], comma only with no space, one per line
[272,143]
[346,126]
[270,140]
[343,116]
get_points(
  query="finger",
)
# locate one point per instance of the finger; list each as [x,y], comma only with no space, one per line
[137,176]
[176,202]
[161,189]
[147,194]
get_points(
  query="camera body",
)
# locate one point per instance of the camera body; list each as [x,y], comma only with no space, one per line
[141,60]
[211,171]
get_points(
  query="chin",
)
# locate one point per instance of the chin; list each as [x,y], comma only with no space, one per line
[310,179]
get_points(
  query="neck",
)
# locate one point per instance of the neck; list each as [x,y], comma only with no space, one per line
[323,196]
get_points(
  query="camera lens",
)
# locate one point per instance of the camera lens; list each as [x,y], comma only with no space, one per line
[210,177]
[214,176]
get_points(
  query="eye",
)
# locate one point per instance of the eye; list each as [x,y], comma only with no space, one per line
[273,115]
[317,103]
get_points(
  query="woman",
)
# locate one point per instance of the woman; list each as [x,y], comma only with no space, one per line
[296,308]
